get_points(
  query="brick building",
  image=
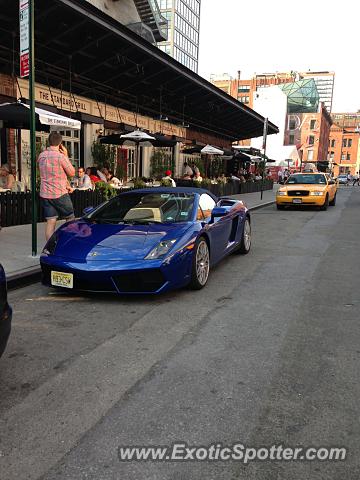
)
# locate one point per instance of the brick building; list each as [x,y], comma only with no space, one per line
[243,89]
[344,143]
[309,99]
[310,133]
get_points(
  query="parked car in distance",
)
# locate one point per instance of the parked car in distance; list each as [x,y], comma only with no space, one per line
[147,241]
[342,179]
[5,312]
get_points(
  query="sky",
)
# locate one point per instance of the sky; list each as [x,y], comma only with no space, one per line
[281,35]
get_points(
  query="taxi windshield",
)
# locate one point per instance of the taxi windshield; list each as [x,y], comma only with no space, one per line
[313,179]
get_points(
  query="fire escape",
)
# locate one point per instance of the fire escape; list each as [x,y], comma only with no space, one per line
[150,16]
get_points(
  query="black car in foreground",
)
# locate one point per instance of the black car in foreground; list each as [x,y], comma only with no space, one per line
[5,312]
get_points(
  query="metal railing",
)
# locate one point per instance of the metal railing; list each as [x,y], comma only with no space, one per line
[15,208]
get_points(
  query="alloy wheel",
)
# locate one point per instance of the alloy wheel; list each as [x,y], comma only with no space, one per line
[247,235]
[202,262]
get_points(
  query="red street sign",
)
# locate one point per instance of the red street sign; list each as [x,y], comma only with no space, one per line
[24,37]
[24,65]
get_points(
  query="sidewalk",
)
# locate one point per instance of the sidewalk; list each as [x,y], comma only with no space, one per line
[15,242]
[253,200]
[15,250]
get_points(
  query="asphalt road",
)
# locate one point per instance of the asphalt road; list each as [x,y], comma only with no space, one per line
[268,353]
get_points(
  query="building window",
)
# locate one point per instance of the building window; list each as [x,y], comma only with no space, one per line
[350,142]
[165,4]
[312,124]
[291,139]
[333,143]
[311,139]
[244,88]
[348,156]
[310,154]
[343,156]
[292,124]
[344,142]
[71,141]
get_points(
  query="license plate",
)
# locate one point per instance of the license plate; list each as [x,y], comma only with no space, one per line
[297,200]
[60,279]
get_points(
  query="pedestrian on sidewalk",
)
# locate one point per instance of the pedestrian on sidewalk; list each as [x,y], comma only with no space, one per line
[55,168]
[356,179]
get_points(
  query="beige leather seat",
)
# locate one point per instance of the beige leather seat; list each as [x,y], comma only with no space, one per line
[144,214]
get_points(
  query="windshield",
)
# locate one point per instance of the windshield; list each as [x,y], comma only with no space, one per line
[315,179]
[142,208]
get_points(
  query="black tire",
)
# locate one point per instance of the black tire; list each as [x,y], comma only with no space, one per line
[333,201]
[200,274]
[326,203]
[280,207]
[245,243]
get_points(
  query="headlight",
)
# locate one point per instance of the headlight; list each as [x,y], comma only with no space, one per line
[281,193]
[316,194]
[50,246]
[160,250]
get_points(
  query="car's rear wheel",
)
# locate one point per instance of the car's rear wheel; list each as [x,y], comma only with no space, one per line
[200,265]
[245,243]
[333,201]
[326,203]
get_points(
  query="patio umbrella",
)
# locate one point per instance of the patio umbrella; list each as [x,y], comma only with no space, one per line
[159,140]
[137,138]
[210,150]
[17,115]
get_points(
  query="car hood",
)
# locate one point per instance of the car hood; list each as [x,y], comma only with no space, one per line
[84,241]
[303,186]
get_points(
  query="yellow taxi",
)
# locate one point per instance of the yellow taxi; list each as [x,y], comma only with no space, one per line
[309,189]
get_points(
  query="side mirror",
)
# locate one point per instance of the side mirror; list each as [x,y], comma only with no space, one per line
[88,210]
[219,212]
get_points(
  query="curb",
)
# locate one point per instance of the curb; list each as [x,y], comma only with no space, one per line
[22,279]
[262,205]
[33,275]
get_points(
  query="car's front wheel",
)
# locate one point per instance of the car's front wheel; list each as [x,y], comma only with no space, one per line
[333,201]
[326,203]
[200,265]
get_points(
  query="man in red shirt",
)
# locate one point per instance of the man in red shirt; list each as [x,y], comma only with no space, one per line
[55,168]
